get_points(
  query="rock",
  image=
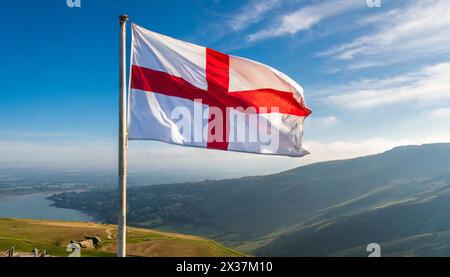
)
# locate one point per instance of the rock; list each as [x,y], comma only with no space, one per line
[87,243]
[95,240]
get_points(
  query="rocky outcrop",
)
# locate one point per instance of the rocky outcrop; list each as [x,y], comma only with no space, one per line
[95,240]
[90,242]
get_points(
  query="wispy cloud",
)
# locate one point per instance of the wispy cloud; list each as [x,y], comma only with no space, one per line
[427,85]
[252,13]
[305,18]
[440,113]
[326,121]
[419,29]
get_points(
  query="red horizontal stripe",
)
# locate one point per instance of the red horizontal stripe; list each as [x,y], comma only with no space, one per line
[269,98]
[161,82]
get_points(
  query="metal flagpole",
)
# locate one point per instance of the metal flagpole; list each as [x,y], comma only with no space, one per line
[123,141]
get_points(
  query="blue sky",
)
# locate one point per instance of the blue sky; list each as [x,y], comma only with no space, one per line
[375,77]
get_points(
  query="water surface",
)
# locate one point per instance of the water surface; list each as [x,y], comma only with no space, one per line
[36,206]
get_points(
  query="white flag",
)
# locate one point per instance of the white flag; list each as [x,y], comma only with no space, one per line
[191,95]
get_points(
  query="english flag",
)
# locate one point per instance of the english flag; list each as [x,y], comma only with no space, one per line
[191,95]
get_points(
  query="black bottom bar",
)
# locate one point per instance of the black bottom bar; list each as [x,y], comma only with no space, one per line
[131,267]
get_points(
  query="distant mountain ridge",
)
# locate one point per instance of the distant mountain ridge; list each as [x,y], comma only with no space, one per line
[327,208]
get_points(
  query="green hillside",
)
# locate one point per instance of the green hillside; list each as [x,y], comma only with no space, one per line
[315,210]
[53,236]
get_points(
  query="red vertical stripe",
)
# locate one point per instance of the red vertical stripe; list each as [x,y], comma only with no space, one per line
[217,76]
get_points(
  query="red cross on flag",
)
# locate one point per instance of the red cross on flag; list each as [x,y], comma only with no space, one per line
[191,95]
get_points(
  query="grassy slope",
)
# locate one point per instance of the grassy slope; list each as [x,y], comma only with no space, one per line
[54,236]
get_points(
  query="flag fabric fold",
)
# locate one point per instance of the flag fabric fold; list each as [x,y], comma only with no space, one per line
[191,95]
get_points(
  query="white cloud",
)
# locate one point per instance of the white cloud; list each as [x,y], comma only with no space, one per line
[305,18]
[325,121]
[252,13]
[346,149]
[419,29]
[425,86]
[440,113]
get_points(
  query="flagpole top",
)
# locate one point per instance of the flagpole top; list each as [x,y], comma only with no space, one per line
[123,19]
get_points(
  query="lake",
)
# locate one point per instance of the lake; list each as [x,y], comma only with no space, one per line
[36,206]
